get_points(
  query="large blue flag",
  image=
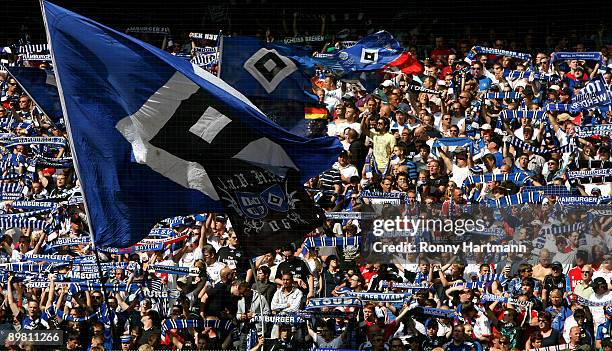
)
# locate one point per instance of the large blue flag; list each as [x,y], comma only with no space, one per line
[40,85]
[156,136]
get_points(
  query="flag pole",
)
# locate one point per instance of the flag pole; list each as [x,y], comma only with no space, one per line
[76,165]
[219,52]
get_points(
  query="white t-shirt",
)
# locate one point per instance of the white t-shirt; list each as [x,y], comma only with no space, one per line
[332,98]
[459,174]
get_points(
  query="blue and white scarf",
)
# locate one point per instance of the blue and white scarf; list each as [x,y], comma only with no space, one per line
[83,240]
[409,286]
[179,271]
[33,205]
[538,115]
[457,142]
[585,302]
[11,188]
[379,297]
[564,229]
[504,95]
[322,302]
[516,178]
[587,56]
[436,312]
[557,190]
[332,241]
[413,87]
[350,215]
[557,107]
[520,198]
[59,141]
[583,200]
[21,222]
[492,51]
[48,258]
[279,319]
[596,130]
[604,172]
[518,143]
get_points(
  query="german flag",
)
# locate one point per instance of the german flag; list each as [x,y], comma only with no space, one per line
[315,112]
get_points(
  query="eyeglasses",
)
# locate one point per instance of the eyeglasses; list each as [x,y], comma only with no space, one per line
[12,83]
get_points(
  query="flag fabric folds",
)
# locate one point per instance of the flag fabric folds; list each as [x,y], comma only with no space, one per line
[156,136]
[40,85]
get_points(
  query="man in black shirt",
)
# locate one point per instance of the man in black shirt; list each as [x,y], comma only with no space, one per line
[234,257]
[431,339]
[332,276]
[302,276]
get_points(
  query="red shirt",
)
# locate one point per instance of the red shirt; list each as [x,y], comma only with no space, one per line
[575,276]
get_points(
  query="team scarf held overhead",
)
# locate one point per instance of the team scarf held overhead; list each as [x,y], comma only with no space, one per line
[595,130]
[518,143]
[531,75]
[512,115]
[504,95]
[379,297]
[516,178]
[476,50]
[331,302]
[456,142]
[594,94]
[586,56]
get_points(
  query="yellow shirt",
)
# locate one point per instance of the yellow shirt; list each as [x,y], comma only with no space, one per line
[383,146]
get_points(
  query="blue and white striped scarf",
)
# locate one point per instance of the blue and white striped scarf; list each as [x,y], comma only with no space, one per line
[585,302]
[322,302]
[520,198]
[492,51]
[604,172]
[518,143]
[464,142]
[20,222]
[11,188]
[557,190]
[596,130]
[379,297]
[180,271]
[504,95]
[62,162]
[218,324]
[516,178]
[564,229]
[557,107]
[60,141]
[437,312]
[332,241]
[538,115]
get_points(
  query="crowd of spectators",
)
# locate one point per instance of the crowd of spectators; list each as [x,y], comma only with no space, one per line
[203,292]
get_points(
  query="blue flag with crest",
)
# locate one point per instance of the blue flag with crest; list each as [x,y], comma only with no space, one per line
[156,136]
[267,70]
[40,85]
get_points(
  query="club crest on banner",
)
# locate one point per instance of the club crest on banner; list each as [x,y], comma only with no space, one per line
[369,56]
[269,68]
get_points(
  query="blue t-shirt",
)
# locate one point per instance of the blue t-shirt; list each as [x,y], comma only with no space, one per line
[604,330]
[464,346]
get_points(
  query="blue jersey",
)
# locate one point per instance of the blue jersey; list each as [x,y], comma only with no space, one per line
[464,346]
